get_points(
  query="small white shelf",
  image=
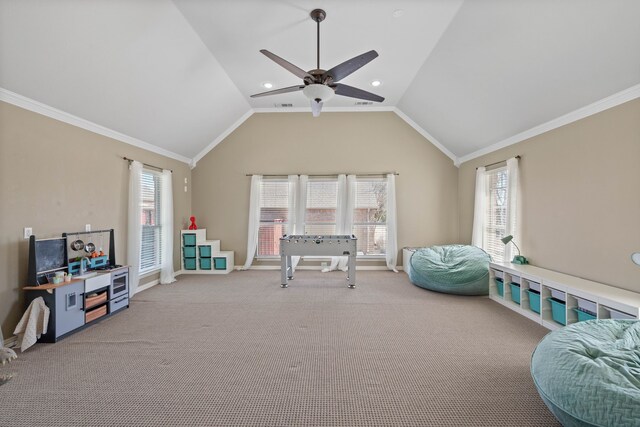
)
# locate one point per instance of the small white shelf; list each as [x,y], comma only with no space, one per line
[569,288]
[204,256]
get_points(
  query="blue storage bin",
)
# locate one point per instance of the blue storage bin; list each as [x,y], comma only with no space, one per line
[205,251]
[584,315]
[74,267]
[189,239]
[558,311]
[534,300]
[189,263]
[205,263]
[500,286]
[189,251]
[99,261]
[515,292]
[219,263]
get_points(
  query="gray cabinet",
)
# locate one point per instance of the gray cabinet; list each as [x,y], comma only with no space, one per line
[69,310]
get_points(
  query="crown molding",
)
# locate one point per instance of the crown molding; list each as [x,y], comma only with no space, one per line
[427,135]
[54,113]
[604,104]
[220,138]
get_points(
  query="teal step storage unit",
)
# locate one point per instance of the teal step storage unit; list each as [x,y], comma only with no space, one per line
[202,256]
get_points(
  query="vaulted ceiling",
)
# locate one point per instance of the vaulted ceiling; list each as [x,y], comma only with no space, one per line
[176,76]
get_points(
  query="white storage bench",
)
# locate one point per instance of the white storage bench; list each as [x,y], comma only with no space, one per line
[560,297]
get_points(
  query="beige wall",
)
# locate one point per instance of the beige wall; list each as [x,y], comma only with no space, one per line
[55,177]
[282,143]
[580,196]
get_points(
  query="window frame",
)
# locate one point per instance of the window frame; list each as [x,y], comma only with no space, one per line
[489,228]
[286,224]
[157,228]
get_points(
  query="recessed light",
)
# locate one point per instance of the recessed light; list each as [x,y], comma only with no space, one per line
[267,85]
[398,13]
[376,83]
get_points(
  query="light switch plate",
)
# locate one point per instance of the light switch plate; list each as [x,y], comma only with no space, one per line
[87,227]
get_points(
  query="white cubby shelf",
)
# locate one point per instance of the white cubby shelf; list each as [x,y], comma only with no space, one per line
[601,299]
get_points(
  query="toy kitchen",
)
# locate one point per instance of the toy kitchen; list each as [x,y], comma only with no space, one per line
[78,278]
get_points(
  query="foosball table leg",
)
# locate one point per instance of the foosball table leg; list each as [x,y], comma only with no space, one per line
[351,275]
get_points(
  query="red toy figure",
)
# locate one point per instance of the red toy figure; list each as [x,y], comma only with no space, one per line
[193,225]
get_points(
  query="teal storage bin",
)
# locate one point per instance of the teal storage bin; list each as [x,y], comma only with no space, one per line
[189,263]
[558,312]
[515,292]
[205,263]
[189,239]
[189,251]
[534,300]
[99,261]
[205,251]
[220,263]
[583,315]
[500,286]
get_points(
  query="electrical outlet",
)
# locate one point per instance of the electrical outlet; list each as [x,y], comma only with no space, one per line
[185,188]
[87,227]
[28,231]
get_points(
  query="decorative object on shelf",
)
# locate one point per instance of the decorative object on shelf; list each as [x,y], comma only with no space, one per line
[518,259]
[193,225]
[635,257]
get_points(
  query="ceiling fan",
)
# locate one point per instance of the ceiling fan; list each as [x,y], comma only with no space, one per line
[320,85]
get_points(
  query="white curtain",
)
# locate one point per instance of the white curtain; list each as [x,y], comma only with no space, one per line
[513,191]
[477,235]
[134,230]
[392,229]
[341,207]
[254,220]
[167,274]
[297,209]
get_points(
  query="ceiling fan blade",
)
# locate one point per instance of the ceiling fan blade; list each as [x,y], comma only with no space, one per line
[354,92]
[341,71]
[286,64]
[316,107]
[278,91]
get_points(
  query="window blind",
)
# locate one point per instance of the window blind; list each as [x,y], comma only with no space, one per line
[274,216]
[496,212]
[150,248]
[370,216]
[322,201]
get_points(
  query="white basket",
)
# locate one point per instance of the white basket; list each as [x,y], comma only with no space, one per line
[615,314]
[559,295]
[586,305]
[534,286]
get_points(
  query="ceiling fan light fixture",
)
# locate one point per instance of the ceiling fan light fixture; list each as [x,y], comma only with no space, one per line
[319,92]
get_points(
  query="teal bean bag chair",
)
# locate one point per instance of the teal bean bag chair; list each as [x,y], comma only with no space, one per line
[451,269]
[588,373]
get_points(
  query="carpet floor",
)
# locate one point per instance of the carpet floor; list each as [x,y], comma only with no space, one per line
[237,350]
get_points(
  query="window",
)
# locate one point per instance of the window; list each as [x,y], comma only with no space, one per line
[322,201]
[274,216]
[495,226]
[150,253]
[370,216]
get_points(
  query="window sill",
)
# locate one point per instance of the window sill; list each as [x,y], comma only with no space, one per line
[148,273]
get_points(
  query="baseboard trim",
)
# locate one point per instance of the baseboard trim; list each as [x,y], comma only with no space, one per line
[147,286]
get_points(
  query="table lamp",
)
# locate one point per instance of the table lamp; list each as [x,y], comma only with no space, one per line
[518,259]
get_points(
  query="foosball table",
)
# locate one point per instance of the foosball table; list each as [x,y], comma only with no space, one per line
[330,245]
